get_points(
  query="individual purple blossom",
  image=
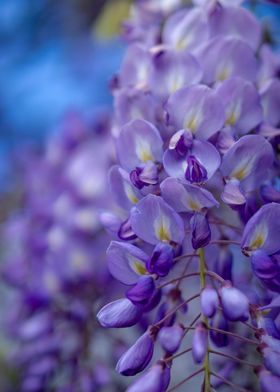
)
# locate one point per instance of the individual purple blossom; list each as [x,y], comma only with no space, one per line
[196,108]
[262,230]
[235,304]
[171,71]
[137,357]
[142,291]
[199,343]
[170,338]
[184,29]
[209,301]
[164,224]
[156,379]
[234,21]
[161,261]
[242,104]
[126,262]
[198,165]
[249,161]
[201,232]
[119,314]
[139,143]
[186,197]
[227,57]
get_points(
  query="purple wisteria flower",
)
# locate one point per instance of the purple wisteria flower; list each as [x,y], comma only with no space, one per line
[196,191]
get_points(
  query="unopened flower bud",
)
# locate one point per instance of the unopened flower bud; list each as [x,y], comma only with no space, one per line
[235,304]
[161,260]
[142,291]
[119,314]
[199,342]
[170,338]
[209,301]
[136,359]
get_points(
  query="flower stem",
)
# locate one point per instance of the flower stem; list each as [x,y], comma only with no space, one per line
[185,380]
[166,317]
[241,361]
[235,335]
[185,256]
[179,279]
[169,359]
[206,366]
[233,386]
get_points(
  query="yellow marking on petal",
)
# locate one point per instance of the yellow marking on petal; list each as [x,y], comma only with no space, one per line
[184,42]
[259,238]
[193,118]
[231,120]
[193,205]
[258,241]
[192,124]
[162,229]
[240,173]
[133,198]
[243,169]
[233,113]
[130,194]
[223,73]
[140,268]
[143,151]
[137,265]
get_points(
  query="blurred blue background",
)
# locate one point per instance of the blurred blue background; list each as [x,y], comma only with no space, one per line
[51,62]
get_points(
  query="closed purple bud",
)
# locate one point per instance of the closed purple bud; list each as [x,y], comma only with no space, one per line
[195,172]
[199,342]
[269,382]
[209,301]
[142,291]
[125,231]
[137,357]
[170,338]
[219,322]
[156,379]
[161,260]
[201,233]
[119,314]
[235,304]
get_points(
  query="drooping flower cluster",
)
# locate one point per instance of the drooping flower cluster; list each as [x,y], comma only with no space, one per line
[55,262]
[196,133]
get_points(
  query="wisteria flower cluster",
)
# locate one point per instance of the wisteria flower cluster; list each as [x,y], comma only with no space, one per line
[54,262]
[197,227]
